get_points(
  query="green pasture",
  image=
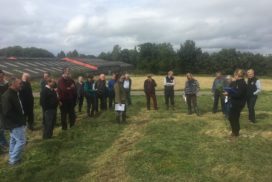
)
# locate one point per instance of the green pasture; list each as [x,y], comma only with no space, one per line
[152,146]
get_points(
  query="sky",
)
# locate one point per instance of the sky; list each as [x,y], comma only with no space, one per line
[93,26]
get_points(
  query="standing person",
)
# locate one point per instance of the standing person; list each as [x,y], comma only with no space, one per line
[127,86]
[169,84]
[49,103]
[253,89]
[191,89]
[27,99]
[120,98]
[217,90]
[227,100]
[43,82]
[237,96]
[90,94]
[14,120]
[111,83]
[149,89]
[3,88]
[67,98]
[80,92]
[101,88]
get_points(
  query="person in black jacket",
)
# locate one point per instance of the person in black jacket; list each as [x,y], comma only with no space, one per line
[26,96]
[101,90]
[237,96]
[253,89]
[49,102]
[43,82]
[3,88]
[149,89]
[80,92]
[14,120]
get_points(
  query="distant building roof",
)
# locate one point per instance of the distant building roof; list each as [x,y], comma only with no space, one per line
[37,66]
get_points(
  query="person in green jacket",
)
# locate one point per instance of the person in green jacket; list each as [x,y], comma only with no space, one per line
[120,99]
[90,94]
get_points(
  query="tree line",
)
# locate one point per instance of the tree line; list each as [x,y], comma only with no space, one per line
[158,58]
[161,57]
[31,52]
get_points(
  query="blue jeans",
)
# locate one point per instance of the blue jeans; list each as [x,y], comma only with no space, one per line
[17,143]
[3,141]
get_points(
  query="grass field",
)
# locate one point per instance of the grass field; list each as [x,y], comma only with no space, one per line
[152,146]
[204,81]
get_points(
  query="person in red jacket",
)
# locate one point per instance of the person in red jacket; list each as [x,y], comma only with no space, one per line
[149,89]
[67,97]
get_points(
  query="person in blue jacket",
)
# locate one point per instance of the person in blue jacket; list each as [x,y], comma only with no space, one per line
[111,96]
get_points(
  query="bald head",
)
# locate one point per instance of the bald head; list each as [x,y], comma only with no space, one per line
[25,77]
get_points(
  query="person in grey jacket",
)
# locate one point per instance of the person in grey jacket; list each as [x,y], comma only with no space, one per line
[217,89]
[191,89]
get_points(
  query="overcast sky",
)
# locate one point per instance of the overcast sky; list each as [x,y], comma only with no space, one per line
[93,26]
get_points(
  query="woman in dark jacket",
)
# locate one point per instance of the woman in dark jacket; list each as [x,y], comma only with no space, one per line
[237,94]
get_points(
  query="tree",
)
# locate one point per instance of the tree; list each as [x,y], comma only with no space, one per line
[148,57]
[116,53]
[61,54]
[188,56]
[105,56]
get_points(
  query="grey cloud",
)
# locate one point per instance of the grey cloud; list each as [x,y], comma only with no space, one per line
[213,24]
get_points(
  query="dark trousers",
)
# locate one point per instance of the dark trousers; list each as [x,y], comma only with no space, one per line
[80,100]
[103,101]
[91,105]
[234,116]
[29,117]
[111,98]
[154,99]
[67,108]
[169,96]
[128,97]
[251,101]
[217,97]
[121,116]
[3,140]
[50,117]
[191,99]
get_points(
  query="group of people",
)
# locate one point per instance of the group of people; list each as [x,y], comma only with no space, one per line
[17,104]
[233,92]
[17,101]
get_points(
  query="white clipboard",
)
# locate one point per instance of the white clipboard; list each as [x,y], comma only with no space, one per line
[119,107]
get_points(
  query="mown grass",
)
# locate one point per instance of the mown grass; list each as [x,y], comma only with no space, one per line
[153,146]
